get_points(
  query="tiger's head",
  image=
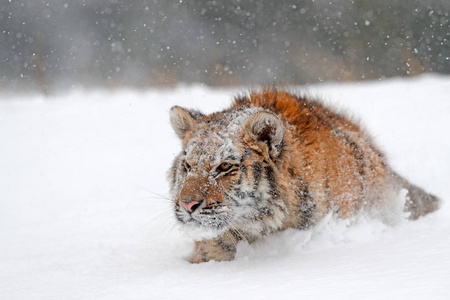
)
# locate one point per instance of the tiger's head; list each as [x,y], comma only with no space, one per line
[226,176]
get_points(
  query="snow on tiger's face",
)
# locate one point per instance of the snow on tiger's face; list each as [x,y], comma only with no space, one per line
[218,182]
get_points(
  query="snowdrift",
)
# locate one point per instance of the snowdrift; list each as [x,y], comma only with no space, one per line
[83,212]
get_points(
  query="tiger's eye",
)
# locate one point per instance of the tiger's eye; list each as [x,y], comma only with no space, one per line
[223,167]
[187,166]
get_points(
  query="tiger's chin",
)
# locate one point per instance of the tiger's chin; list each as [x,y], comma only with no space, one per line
[199,232]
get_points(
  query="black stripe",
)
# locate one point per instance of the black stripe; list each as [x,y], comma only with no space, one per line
[270,176]
[226,247]
[232,198]
[222,136]
[357,153]
[240,194]
[327,188]
[247,153]
[257,171]
[359,158]
[233,157]
[239,181]
[230,173]
[378,153]
[174,174]
[281,208]
[306,206]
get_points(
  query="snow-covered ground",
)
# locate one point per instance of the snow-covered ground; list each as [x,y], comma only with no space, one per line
[79,218]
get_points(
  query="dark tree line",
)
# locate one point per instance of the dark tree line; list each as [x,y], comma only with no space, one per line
[61,43]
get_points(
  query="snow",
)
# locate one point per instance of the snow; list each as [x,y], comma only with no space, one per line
[79,218]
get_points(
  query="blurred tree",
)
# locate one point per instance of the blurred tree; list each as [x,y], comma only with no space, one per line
[51,44]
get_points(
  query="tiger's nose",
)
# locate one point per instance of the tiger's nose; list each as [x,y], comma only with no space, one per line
[190,205]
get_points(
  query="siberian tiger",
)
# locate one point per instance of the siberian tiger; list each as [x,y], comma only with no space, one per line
[273,161]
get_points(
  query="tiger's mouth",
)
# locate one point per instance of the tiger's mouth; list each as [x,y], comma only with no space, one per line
[199,230]
[210,221]
[200,226]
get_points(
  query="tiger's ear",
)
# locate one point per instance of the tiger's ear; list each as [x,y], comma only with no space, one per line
[267,130]
[183,120]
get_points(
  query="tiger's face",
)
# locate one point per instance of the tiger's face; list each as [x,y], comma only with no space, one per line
[225,178]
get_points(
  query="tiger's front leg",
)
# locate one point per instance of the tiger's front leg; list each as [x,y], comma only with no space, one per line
[222,248]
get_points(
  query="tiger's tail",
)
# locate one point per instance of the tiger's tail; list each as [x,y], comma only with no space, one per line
[418,202]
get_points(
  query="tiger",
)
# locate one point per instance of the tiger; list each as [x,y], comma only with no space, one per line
[272,161]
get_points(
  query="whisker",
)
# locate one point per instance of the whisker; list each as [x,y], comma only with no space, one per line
[232,238]
[248,223]
[238,232]
[239,237]
[163,214]
[164,223]
[153,197]
[156,194]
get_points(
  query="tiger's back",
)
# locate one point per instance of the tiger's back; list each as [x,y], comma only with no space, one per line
[334,159]
[275,161]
